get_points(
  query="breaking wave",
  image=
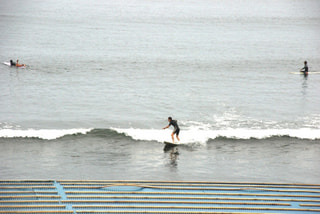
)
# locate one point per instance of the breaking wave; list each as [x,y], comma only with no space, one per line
[202,136]
[187,136]
[45,134]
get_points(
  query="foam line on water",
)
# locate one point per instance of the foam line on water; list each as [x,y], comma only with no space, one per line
[202,136]
[187,135]
[46,134]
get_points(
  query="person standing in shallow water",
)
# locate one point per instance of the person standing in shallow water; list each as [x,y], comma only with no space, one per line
[305,69]
[176,130]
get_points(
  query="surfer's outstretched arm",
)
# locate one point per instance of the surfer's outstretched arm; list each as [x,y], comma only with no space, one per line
[166,127]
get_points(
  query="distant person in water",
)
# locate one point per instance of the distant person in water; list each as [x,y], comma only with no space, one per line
[19,65]
[12,63]
[305,69]
[176,129]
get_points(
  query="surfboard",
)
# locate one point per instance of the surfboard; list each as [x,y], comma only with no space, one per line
[171,144]
[7,63]
[314,72]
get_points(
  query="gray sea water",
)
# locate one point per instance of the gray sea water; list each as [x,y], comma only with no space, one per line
[103,76]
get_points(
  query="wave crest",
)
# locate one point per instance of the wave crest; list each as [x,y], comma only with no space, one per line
[191,135]
[203,136]
[45,134]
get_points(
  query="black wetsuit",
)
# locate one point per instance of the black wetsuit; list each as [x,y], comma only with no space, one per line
[305,70]
[174,123]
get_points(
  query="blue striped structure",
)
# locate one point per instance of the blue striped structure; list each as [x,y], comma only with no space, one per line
[79,196]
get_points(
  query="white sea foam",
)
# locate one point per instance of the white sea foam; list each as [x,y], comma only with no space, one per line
[202,136]
[193,134]
[47,134]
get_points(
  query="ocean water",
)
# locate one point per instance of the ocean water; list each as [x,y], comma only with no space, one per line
[102,77]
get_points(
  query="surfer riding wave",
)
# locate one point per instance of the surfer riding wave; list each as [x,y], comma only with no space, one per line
[176,130]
